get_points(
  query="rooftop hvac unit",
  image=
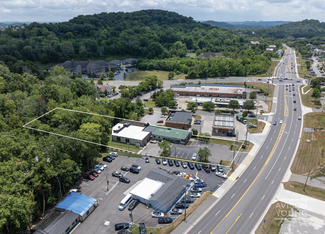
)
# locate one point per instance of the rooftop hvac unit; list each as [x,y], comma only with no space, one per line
[126,125]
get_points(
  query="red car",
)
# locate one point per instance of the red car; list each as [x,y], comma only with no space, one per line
[94,174]
[89,176]
[160,121]
[259,79]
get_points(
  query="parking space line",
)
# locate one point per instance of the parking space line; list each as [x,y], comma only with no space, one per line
[177,154]
[187,155]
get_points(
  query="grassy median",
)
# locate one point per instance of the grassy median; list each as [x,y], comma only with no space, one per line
[310,191]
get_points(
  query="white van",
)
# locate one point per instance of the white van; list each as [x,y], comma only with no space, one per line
[125,202]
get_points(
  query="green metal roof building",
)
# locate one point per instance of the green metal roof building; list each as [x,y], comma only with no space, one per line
[171,134]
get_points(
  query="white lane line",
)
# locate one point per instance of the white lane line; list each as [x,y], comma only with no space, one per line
[285,158]
[199,232]
[272,181]
[289,148]
[245,180]
[267,147]
[291,140]
[217,213]
[263,197]
[271,138]
[254,168]
[232,195]
[262,156]
[177,154]
[251,215]
[279,168]
[294,132]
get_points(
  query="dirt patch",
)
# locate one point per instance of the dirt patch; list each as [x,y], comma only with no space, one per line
[309,190]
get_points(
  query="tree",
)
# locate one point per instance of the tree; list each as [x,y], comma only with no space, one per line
[249,105]
[316,93]
[111,75]
[170,75]
[252,95]
[164,110]
[138,102]
[209,106]
[150,110]
[195,132]
[100,82]
[165,146]
[102,76]
[204,154]
[105,92]
[191,105]
[233,104]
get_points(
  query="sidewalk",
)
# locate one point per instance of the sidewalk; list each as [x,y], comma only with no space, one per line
[316,182]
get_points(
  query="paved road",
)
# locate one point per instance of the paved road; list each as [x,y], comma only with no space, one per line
[242,207]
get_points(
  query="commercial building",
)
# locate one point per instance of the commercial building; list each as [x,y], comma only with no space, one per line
[211,90]
[160,190]
[255,43]
[210,55]
[271,48]
[74,209]
[179,119]
[174,135]
[224,123]
[127,133]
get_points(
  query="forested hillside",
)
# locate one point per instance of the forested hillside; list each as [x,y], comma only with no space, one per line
[36,168]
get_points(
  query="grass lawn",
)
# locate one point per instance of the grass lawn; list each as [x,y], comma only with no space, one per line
[169,228]
[180,77]
[307,100]
[220,142]
[255,85]
[311,151]
[274,218]
[266,74]
[140,75]
[302,68]
[260,126]
[309,190]
[122,146]
[249,146]
[192,55]
[150,103]
[197,116]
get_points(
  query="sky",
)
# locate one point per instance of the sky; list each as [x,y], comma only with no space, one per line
[217,10]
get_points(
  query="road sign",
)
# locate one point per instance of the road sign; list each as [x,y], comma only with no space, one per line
[264,220]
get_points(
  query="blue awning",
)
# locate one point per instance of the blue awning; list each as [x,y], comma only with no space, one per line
[78,203]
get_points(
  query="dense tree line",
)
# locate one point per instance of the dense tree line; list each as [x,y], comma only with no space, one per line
[36,168]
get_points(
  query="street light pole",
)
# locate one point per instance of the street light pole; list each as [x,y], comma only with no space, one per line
[107,182]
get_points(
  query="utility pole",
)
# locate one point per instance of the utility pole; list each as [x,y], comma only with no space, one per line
[233,157]
[185,205]
[306,181]
[107,182]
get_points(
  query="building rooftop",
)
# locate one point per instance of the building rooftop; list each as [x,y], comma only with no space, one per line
[224,121]
[132,132]
[61,223]
[179,116]
[147,188]
[210,88]
[167,132]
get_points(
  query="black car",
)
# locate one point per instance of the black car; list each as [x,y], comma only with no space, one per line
[231,134]
[133,204]
[198,166]
[120,226]
[176,163]
[206,168]
[107,159]
[294,109]
[212,167]
[165,220]
[181,205]
[111,157]
[219,168]
[134,170]
[124,180]
[157,160]
[125,168]
[142,228]
[187,200]
[170,162]
[175,172]
[124,231]
[190,165]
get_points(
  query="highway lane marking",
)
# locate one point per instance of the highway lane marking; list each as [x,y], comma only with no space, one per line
[272,181]
[232,195]
[245,180]
[279,168]
[254,168]
[267,147]
[285,158]
[271,138]
[263,197]
[262,156]
[289,148]
[217,213]
[233,223]
[199,232]
[251,215]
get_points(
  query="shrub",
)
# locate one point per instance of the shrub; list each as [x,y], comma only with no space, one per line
[245,113]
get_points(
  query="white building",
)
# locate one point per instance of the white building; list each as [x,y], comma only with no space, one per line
[127,133]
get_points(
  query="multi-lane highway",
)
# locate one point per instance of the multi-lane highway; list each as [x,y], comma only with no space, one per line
[243,205]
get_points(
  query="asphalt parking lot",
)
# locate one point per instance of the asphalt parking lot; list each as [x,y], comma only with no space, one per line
[106,215]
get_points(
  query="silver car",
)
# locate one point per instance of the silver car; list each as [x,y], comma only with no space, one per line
[98,171]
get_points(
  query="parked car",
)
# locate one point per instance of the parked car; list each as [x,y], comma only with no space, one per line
[100,167]
[198,166]
[165,220]
[97,170]
[176,163]
[94,174]
[231,134]
[194,156]
[181,205]
[133,204]
[111,157]
[184,164]
[212,167]
[89,176]
[120,226]
[134,170]
[107,159]
[170,162]
[190,165]
[160,121]
[157,214]
[252,115]
[114,154]
[196,190]
[142,228]
[124,179]
[157,160]
[125,168]
[147,160]
[220,174]
[206,168]
[136,166]
[196,195]
[219,168]
[164,161]
[175,211]
[175,173]
[187,200]
[200,185]
[117,174]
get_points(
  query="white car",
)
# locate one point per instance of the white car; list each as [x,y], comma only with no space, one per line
[102,164]
[157,214]
[196,195]
[100,167]
[220,174]
[194,156]
[196,190]
[299,118]
[281,122]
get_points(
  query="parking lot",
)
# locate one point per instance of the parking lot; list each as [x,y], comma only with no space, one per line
[106,215]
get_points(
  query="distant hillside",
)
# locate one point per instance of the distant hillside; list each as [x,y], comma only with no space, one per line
[246,24]
[6,24]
